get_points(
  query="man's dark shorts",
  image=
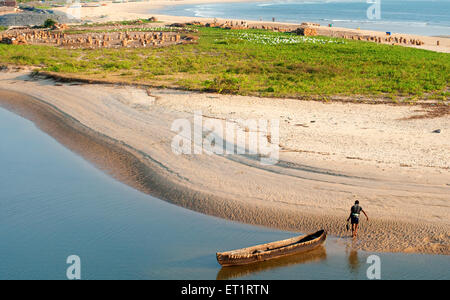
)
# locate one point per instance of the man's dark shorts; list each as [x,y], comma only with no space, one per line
[355,220]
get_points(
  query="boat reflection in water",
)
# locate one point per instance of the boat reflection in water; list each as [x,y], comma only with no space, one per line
[233,272]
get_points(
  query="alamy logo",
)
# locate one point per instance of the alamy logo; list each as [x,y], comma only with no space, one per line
[215,136]
[74,270]
[374,270]
[374,11]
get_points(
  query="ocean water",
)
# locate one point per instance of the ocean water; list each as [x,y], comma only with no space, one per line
[430,17]
[54,204]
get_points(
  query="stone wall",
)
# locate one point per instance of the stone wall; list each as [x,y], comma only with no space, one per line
[91,40]
[9,3]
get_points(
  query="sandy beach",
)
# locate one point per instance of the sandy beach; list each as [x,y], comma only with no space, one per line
[142,10]
[386,156]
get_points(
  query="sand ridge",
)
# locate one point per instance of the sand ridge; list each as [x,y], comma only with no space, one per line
[395,166]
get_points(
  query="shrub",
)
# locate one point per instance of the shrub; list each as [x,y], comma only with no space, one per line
[49,23]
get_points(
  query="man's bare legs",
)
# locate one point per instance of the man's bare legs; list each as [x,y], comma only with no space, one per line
[354,230]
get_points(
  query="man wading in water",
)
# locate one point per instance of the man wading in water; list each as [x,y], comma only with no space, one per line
[354,216]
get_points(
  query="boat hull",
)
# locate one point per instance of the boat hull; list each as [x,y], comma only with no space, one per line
[272,250]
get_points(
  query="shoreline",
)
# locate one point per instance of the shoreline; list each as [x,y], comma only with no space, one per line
[142,10]
[142,162]
[359,99]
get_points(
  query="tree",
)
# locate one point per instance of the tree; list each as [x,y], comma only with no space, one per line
[49,23]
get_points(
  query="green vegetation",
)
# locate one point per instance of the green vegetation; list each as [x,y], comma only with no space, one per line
[127,29]
[124,23]
[256,62]
[49,23]
[133,22]
[43,7]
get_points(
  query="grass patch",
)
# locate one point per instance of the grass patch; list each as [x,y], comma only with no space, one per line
[136,29]
[124,23]
[256,62]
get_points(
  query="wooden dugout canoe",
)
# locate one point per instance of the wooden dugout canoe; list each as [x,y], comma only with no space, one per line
[272,250]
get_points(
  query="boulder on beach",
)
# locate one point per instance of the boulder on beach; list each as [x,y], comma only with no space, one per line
[306,31]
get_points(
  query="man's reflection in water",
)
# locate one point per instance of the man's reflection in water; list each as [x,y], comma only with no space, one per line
[353,259]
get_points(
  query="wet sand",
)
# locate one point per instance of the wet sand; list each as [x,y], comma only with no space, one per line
[392,163]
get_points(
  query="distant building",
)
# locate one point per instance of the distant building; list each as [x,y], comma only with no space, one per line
[8,3]
[8,6]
